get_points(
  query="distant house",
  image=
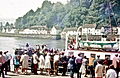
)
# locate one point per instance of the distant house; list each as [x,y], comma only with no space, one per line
[71,30]
[35,30]
[28,31]
[11,31]
[40,29]
[88,29]
[55,30]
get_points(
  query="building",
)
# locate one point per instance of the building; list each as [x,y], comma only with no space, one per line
[72,30]
[55,30]
[35,30]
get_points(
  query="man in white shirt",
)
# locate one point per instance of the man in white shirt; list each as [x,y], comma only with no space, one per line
[111,73]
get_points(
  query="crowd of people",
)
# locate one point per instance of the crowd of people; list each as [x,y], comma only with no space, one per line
[52,62]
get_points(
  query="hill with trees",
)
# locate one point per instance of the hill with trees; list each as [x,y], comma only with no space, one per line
[74,13]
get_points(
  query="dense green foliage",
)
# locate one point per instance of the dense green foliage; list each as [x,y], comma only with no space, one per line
[74,13]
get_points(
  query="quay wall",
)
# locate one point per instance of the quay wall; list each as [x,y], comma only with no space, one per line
[41,36]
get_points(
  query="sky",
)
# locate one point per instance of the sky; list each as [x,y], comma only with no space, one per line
[12,9]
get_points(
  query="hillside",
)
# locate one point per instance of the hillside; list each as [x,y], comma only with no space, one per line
[74,13]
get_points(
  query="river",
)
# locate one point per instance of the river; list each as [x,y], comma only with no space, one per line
[11,43]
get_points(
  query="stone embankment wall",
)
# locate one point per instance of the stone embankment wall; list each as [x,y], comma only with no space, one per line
[29,35]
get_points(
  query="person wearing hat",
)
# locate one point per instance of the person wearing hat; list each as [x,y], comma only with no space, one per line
[2,61]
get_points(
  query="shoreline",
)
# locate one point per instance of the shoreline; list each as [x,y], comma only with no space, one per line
[38,36]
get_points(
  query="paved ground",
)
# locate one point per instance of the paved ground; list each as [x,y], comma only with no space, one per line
[13,75]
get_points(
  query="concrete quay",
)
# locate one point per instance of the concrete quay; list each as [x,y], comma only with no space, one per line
[14,75]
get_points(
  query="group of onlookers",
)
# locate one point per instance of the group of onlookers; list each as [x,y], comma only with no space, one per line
[53,61]
[5,58]
[97,68]
[41,59]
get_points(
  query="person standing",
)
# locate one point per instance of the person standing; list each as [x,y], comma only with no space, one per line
[91,65]
[111,73]
[6,62]
[95,62]
[83,68]
[64,61]
[115,62]
[35,62]
[47,63]
[78,62]
[106,64]
[99,70]
[71,66]
[2,61]
[16,62]
[9,59]
[56,60]
[24,60]
[41,64]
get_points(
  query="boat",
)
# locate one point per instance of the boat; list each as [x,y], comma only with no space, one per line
[88,47]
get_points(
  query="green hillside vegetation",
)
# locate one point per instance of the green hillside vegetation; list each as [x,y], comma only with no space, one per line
[74,13]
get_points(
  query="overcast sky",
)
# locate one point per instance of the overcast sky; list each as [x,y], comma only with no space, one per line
[17,8]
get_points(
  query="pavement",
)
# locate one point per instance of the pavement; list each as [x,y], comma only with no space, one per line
[14,75]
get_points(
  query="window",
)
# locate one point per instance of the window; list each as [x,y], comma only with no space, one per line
[107,56]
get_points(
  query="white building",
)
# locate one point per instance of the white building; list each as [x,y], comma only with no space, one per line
[55,30]
[35,30]
[11,31]
[28,31]
[88,29]
[72,30]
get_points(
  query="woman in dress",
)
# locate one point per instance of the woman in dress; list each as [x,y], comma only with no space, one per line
[47,63]
[83,68]
[24,60]
[41,63]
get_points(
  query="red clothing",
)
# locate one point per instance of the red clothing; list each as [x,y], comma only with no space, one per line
[106,62]
[2,60]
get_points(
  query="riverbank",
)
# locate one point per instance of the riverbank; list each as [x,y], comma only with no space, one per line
[38,36]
